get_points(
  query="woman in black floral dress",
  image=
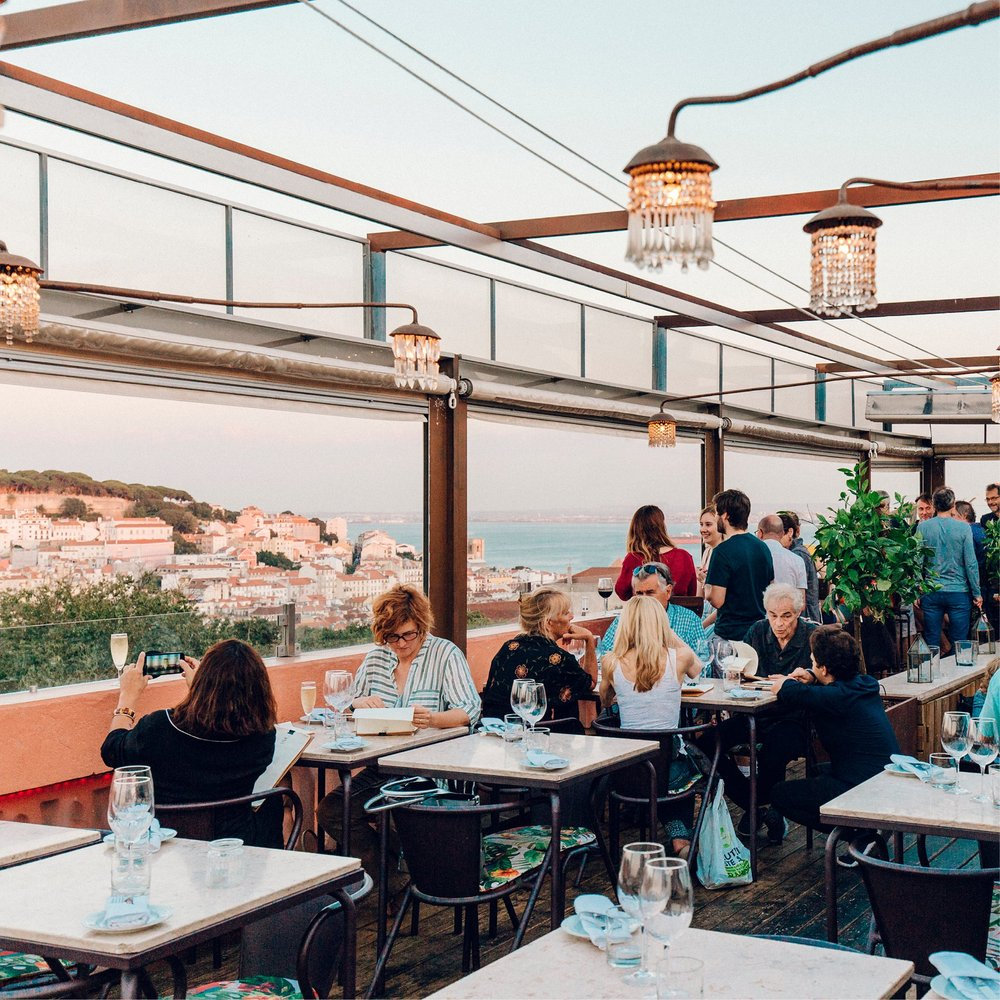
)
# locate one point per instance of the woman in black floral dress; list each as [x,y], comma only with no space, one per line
[539,653]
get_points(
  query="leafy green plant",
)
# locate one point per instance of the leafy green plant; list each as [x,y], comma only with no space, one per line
[873,563]
[992,549]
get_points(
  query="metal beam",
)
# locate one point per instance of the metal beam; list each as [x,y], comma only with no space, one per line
[910,307]
[51,100]
[87,18]
[761,207]
[979,361]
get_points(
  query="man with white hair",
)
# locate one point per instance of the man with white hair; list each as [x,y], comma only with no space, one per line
[788,568]
[782,638]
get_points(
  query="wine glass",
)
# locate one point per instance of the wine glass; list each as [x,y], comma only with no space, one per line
[119,651]
[518,696]
[534,702]
[130,803]
[983,750]
[630,883]
[669,880]
[338,692]
[725,654]
[956,739]
[605,588]
[307,695]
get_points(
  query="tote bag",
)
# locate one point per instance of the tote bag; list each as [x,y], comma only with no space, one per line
[722,859]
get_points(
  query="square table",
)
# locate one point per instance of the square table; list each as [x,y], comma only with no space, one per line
[560,967]
[344,762]
[43,904]
[719,700]
[904,805]
[20,842]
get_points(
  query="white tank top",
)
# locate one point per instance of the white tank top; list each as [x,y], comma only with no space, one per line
[657,708]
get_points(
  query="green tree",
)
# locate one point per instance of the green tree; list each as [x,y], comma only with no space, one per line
[75,507]
[277,560]
[182,547]
[332,638]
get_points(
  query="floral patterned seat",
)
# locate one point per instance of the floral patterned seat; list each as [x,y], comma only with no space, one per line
[253,988]
[17,966]
[509,854]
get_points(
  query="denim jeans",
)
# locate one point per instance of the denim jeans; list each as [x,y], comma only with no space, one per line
[956,604]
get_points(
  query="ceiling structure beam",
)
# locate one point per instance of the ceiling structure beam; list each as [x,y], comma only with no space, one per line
[72,107]
[87,18]
[763,207]
[979,361]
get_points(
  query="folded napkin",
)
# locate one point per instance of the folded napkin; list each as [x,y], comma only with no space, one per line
[495,727]
[602,920]
[921,768]
[345,743]
[742,694]
[126,911]
[967,976]
[542,758]
[319,714]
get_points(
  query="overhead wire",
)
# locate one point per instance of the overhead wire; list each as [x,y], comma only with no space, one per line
[310,4]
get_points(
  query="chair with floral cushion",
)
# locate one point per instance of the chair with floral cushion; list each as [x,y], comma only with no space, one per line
[24,975]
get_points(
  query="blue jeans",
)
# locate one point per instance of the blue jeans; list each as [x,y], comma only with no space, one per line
[956,604]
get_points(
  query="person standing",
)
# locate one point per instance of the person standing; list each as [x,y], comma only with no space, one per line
[787,567]
[924,508]
[740,570]
[648,542]
[993,502]
[955,570]
[991,589]
[708,528]
[792,540]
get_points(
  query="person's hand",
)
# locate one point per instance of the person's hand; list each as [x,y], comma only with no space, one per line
[801,674]
[132,683]
[422,717]
[369,701]
[701,574]
[978,602]
[578,632]
[189,665]
[782,680]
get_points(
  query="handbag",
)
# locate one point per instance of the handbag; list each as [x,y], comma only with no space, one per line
[722,859]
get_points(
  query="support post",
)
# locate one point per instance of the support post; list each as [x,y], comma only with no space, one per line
[931,474]
[446,511]
[374,291]
[713,461]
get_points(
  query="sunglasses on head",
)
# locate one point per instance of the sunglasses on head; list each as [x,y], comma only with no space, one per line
[648,569]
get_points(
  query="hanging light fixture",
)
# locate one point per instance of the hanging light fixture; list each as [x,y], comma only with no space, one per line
[662,430]
[18,296]
[417,350]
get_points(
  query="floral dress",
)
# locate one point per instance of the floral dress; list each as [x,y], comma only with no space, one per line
[541,659]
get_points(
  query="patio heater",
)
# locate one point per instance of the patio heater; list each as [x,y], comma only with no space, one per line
[19,294]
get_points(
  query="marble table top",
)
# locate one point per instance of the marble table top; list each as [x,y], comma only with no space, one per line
[378,746]
[558,966]
[488,759]
[894,802]
[718,698]
[43,904]
[21,842]
[952,678]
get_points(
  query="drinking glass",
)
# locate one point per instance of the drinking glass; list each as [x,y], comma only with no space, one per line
[983,750]
[338,692]
[622,950]
[528,699]
[935,662]
[605,588]
[119,651]
[672,879]
[513,732]
[956,739]
[630,875]
[536,739]
[307,695]
[724,654]
[226,864]
[680,979]
[963,652]
[537,705]
[518,697]
[995,784]
[944,772]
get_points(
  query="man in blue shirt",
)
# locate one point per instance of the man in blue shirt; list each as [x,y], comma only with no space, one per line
[655,580]
[955,570]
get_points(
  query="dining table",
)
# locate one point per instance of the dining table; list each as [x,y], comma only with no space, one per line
[559,966]
[21,842]
[44,905]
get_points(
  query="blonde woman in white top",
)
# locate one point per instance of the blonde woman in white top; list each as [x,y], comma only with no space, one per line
[645,669]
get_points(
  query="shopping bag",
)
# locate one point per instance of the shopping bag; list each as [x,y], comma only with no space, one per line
[722,859]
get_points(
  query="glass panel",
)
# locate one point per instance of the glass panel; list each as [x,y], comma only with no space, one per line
[905,482]
[451,302]
[798,402]
[839,397]
[969,478]
[113,231]
[537,331]
[278,262]
[618,349]
[19,170]
[861,390]
[740,370]
[692,364]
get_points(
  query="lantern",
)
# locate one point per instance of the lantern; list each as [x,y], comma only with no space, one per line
[18,296]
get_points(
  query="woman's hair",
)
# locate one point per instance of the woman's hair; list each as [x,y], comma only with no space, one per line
[836,650]
[710,509]
[230,694]
[400,604]
[644,629]
[647,533]
[538,606]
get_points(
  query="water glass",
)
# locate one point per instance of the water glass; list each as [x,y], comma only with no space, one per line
[935,662]
[994,778]
[131,868]
[944,773]
[963,652]
[537,738]
[225,863]
[680,979]
[731,677]
[621,939]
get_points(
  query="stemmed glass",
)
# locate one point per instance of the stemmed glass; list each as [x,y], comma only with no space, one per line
[338,692]
[956,738]
[307,695]
[528,699]
[725,653]
[669,880]
[983,750]
[119,651]
[605,588]
[630,896]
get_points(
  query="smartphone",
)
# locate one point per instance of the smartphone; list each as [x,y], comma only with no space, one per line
[158,664]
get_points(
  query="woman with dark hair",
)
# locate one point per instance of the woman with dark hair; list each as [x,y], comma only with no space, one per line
[214,745]
[647,541]
[850,720]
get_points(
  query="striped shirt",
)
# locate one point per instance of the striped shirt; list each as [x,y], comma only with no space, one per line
[685,624]
[439,679]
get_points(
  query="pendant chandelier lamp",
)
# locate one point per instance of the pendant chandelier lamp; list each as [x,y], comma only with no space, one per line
[417,351]
[18,296]
[661,429]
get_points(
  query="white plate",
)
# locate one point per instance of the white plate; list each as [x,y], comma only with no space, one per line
[165,834]
[574,927]
[898,770]
[546,767]
[157,914]
[942,986]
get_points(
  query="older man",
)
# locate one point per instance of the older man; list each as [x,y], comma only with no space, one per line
[782,644]
[655,580]
[788,568]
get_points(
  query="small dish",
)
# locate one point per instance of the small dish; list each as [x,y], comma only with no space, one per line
[898,770]
[551,764]
[573,926]
[165,834]
[96,921]
[943,987]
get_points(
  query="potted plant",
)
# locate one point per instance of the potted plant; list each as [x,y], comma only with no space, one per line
[873,564]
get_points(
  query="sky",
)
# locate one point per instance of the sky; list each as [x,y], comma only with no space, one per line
[287,81]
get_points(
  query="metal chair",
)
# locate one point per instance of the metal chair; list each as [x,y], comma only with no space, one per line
[812,942]
[631,785]
[919,911]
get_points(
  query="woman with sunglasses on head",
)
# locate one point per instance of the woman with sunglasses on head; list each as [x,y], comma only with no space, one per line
[648,542]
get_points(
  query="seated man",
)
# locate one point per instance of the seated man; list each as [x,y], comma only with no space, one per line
[847,711]
[782,644]
[655,580]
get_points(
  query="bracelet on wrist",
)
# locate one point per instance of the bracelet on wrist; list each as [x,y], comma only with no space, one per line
[127,712]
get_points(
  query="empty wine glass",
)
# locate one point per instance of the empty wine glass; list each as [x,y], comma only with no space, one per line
[725,655]
[956,739]
[130,803]
[534,703]
[119,651]
[630,882]
[668,879]
[338,692]
[517,698]
[983,750]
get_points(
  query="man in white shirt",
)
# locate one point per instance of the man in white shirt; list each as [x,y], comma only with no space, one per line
[788,567]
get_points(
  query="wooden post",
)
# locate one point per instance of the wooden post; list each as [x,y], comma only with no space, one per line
[931,474]
[713,465]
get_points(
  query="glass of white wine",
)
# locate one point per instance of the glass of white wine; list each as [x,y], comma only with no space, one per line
[307,695]
[119,651]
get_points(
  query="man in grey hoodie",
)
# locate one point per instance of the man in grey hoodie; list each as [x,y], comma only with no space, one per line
[792,540]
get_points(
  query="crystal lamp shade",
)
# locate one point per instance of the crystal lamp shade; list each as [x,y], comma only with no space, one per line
[18,296]
[995,396]
[662,430]
[670,206]
[417,351]
[843,260]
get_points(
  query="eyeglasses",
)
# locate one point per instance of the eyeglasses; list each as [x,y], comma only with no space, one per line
[393,637]
[650,568]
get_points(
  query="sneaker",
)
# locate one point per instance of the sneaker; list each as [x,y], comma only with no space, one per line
[743,827]
[777,825]
[845,860]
